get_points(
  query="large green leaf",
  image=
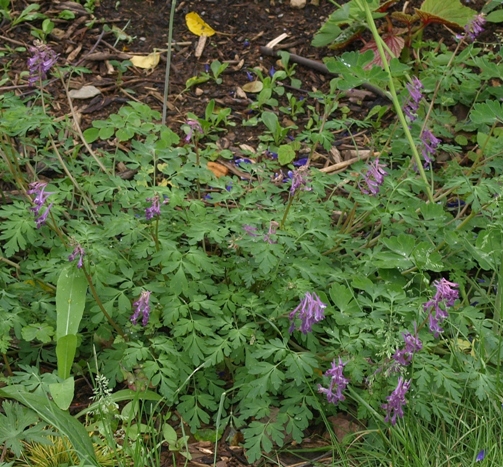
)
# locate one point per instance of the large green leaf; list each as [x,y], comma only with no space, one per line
[48,411]
[65,351]
[62,393]
[450,12]
[70,300]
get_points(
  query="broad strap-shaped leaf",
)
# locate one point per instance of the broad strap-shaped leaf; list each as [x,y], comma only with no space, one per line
[70,300]
[62,393]
[450,12]
[65,351]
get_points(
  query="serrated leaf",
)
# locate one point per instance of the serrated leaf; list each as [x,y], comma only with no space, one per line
[48,411]
[487,112]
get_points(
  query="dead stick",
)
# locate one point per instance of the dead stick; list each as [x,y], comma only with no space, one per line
[320,67]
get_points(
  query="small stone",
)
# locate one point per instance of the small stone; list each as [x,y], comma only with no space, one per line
[298,3]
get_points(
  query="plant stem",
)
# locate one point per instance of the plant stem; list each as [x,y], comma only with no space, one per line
[100,304]
[396,103]
[168,62]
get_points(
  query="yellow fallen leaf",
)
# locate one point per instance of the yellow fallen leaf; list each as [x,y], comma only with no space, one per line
[218,169]
[253,87]
[197,26]
[146,61]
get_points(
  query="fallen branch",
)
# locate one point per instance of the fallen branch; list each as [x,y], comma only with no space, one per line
[320,67]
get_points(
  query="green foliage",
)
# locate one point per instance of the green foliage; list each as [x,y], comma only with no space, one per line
[227,259]
[18,425]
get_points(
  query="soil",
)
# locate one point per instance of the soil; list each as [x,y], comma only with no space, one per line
[243,27]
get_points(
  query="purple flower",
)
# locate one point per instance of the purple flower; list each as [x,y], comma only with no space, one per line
[250,230]
[272,71]
[302,161]
[480,456]
[80,252]
[273,227]
[475,27]
[155,207]
[38,189]
[337,381]
[142,308]
[374,177]
[43,218]
[396,401]
[41,61]
[206,68]
[415,96]
[299,180]
[430,143]
[412,345]
[309,311]
[249,76]
[446,296]
[194,125]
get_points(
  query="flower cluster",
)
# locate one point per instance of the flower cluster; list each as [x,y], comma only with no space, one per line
[41,61]
[299,180]
[38,189]
[80,252]
[142,308]
[194,126]
[445,295]
[337,382]
[430,143]
[310,311]
[412,345]
[475,27]
[374,177]
[155,206]
[412,105]
[273,227]
[396,401]
[253,232]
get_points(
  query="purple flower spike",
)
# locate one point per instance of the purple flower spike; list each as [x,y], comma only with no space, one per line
[396,401]
[374,177]
[299,180]
[430,144]
[155,207]
[310,311]
[250,230]
[415,96]
[80,252]
[273,227]
[38,189]
[41,61]
[142,308]
[446,296]
[480,456]
[475,27]
[194,126]
[338,381]
[412,345]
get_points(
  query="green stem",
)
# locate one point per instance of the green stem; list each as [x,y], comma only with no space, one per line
[100,304]
[396,103]
[285,215]
[168,62]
